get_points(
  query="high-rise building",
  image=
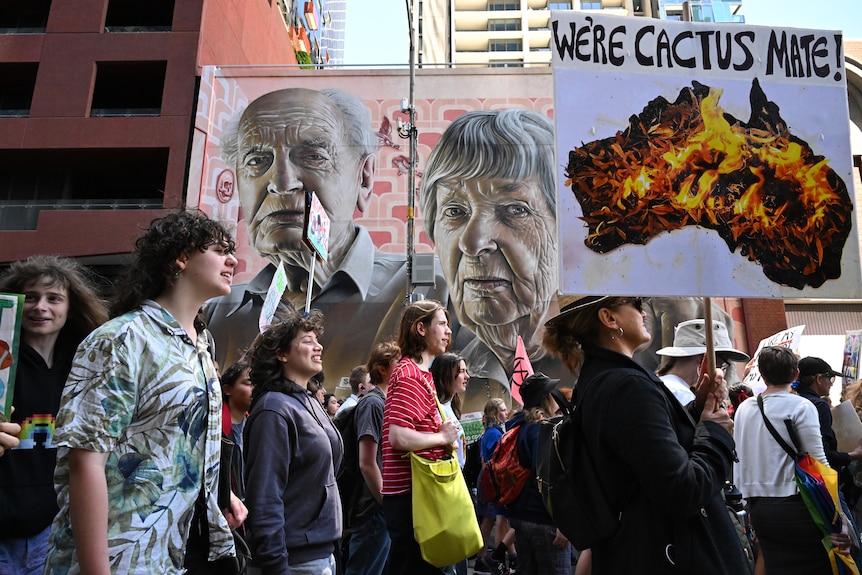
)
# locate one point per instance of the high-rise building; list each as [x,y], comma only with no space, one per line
[97,107]
[516,32]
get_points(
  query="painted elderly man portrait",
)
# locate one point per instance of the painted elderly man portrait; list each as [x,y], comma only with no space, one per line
[286,144]
[489,205]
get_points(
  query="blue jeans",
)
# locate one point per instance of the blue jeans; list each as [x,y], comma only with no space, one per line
[325,566]
[536,551]
[368,547]
[26,556]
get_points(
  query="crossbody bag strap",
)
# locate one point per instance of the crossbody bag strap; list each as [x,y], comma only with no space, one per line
[793,453]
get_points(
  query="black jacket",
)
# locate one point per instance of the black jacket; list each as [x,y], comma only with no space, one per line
[665,471]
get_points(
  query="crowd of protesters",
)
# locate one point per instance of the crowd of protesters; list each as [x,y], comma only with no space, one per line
[156,463]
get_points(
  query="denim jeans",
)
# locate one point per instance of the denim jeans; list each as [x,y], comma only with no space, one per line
[325,566]
[25,556]
[368,547]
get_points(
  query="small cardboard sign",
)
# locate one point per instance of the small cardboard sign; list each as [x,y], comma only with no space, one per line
[11,309]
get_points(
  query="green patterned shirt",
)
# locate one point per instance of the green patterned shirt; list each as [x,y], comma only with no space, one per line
[143,392]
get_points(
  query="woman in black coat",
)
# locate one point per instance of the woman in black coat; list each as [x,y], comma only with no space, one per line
[663,465]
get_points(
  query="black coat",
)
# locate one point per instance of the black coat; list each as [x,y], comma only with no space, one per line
[665,471]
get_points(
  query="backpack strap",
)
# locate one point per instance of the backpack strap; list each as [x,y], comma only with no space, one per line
[793,453]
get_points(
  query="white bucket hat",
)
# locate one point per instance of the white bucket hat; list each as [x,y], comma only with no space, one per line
[690,339]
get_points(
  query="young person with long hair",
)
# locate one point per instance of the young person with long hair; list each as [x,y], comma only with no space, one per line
[449,371]
[61,307]
[139,428]
[412,422]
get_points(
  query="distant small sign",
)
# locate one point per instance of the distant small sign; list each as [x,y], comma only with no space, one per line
[316,227]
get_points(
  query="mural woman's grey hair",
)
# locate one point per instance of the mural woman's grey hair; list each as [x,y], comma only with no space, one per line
[507,144]
[357,121]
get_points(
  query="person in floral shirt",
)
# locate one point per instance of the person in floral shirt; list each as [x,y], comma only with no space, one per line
[139,425]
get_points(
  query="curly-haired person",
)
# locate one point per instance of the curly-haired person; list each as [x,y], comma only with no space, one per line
[139,427]
[292,451]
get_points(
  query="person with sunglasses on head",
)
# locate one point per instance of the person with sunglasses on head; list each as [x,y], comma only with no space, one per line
[663,465]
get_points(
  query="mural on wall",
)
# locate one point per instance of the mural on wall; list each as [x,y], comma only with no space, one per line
[714,168]
[486,206]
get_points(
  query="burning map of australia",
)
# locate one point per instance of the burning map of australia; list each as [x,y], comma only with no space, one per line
[689,163]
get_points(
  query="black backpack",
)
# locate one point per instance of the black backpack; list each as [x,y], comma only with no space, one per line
[473,462]
[571,491]
[349,478]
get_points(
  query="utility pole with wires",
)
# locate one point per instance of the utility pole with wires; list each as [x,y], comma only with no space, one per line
[408,132]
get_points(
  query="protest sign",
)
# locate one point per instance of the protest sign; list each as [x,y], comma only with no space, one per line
[11,308]
[702,159]
[787,338]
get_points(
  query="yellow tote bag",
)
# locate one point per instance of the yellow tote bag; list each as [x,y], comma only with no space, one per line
[444,522]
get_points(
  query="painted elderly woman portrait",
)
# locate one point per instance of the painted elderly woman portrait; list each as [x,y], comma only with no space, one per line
[489,205]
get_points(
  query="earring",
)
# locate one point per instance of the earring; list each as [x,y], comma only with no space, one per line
[621,333]
[176,275]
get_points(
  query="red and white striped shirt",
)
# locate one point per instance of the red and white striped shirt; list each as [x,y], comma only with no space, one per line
[410,402]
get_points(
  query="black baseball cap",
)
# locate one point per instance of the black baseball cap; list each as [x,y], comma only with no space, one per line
[815,366]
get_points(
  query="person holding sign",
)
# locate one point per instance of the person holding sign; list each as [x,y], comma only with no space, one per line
[61,306]
[8,436]
[663,465]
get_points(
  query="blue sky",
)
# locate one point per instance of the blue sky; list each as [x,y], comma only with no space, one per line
[377,29]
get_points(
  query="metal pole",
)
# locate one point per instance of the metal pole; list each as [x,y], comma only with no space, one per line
[411,173]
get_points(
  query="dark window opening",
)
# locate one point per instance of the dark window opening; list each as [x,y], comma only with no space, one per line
[128,88]
[24,16]
[17,82]
[78,179]
[505,46]
[137,16]
[504,25]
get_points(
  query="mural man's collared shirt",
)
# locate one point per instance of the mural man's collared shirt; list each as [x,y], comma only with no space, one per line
[362,300]
[141,391]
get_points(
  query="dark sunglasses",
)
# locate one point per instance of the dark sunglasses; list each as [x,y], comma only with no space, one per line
[637,303]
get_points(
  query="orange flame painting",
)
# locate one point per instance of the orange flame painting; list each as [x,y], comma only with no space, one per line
[689,163]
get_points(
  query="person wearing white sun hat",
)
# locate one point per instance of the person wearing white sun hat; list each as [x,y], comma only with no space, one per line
[679,368]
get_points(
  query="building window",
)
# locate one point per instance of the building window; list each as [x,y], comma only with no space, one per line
[24,16]
[702,13]
[136,16]
[502,5]
[17,81]
[128,88]
[505,46]
[591,5]
[559,5]
[504,24]
[78,179]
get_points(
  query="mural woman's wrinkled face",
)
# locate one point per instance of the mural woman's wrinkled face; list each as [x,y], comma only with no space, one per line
[497,244]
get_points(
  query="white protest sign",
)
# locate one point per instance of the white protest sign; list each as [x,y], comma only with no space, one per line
[702,159]
[273,297]
[788,338]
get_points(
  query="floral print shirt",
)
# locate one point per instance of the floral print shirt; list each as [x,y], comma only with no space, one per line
[143,392]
